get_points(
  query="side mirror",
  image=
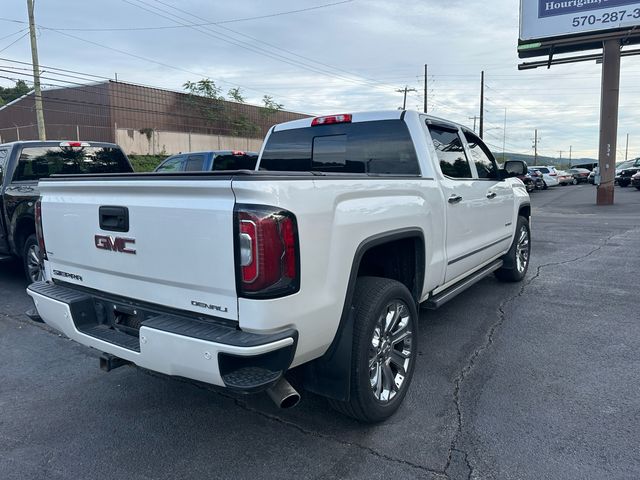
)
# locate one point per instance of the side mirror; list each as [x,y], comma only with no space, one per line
[514,168]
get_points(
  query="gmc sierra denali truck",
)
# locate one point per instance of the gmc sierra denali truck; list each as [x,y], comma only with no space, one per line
[318,260]
[22,164]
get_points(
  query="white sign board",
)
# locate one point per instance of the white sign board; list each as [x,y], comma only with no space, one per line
[544,19]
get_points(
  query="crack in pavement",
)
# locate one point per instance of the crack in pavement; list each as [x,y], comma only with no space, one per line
[443,473]
[471,361]
[276,419]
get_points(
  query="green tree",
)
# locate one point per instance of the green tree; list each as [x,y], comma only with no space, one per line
[235,94]
[9,94]
[204,97]
[270,106]
[204,88]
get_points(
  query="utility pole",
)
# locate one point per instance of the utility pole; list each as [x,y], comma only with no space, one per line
[535,148]
[560,152]
[481,104]
[626,150]
[474,118]
[405,90]
[36,74]
[608,120]
[570,152]
[426,69]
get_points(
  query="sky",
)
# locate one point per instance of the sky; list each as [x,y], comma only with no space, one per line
[332,56]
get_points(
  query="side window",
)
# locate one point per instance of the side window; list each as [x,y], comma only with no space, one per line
[171,165]
[450,151]
[481,156]
[194,163]
[3,164]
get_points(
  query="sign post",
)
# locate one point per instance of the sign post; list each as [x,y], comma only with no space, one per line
[608,121]
[551,27]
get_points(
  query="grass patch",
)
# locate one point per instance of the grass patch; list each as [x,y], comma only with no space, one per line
[145,163]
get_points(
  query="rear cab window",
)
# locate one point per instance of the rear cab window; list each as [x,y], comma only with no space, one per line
[382,147]
[35,163]
[235,161]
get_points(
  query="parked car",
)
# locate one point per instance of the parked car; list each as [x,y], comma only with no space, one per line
[549,175]
[635,180]
[317,260]
[565,178]
[22,164]
[536,177]
[209,161]
[528,181]
[621,166]
[580,174]
[626,173]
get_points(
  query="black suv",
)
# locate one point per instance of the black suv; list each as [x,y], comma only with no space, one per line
[624,180]
[22,164]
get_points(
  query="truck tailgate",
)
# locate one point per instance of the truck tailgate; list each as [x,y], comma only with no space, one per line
[178,250]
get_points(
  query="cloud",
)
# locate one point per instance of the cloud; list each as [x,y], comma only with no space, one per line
[347,57]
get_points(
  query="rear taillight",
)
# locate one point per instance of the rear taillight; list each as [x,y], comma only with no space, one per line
[267,259]
[39,235]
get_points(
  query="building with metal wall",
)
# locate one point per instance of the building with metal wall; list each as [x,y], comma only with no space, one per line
[96,111]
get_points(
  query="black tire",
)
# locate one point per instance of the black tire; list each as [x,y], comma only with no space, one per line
[574,182]
[516,261]
[372,298]
[623,183]
[30,259]
[544,185]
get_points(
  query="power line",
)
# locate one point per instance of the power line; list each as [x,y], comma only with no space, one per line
[245,45]
[236,32]
[220,22]
[14,42]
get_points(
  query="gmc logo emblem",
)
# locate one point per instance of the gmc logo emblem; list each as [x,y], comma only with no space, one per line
[114,244]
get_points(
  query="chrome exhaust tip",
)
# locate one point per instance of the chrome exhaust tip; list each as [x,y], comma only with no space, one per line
[283,394]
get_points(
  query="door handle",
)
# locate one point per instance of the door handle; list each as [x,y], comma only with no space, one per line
[491,195]
[455,198]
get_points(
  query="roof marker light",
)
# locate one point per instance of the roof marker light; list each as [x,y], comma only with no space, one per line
[331,119]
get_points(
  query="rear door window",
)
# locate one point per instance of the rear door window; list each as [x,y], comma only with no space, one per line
[449,148]
[194,163]
[381,147]
[40,162]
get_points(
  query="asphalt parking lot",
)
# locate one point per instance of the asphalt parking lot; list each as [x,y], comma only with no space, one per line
[514,381]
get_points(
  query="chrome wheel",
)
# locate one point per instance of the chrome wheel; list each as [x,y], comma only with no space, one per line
[34,267]
[390,352]
[522,250]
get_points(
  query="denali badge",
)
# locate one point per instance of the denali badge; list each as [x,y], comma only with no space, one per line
[115,244]
[210,307]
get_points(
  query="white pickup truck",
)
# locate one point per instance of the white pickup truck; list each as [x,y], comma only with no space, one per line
[319,259]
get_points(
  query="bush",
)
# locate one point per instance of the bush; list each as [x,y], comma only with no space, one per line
[145,163]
